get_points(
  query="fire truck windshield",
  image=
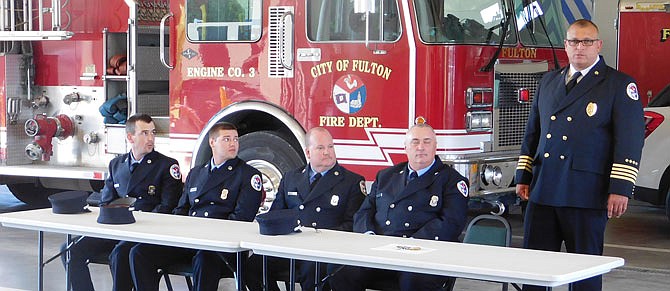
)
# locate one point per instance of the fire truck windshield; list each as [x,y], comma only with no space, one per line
[482,21]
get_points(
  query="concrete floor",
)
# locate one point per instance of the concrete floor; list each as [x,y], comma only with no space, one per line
[642,237]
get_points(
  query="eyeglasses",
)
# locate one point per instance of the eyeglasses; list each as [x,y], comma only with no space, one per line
[584,42]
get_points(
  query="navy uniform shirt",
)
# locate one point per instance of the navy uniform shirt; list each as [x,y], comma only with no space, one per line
[330,204]
[580,147]
[232,191]
[155,182]
[433,206]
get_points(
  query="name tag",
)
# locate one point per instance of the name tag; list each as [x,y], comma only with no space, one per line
[116,185]
[292,193]
[193,189]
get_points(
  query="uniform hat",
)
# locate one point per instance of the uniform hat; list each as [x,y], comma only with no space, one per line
[117,212]
[69,202]
[278,222]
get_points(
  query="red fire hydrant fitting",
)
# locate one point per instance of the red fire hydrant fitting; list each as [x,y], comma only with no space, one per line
[45,128]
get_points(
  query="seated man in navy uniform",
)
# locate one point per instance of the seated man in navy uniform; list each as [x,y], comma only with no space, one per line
[422,199]
[326,194]
[223,188]
[151,177]
[586,130]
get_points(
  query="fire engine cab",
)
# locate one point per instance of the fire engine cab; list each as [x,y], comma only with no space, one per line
[73,70]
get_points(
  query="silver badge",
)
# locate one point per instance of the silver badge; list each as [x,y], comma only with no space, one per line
[224,194]
[433,201]
[334,200]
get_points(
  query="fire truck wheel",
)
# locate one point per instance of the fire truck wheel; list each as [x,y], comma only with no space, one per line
[272,155]
[31,193]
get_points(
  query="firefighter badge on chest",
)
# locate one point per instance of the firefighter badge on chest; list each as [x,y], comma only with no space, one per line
[224,194]
[152,190]
[433,201]
[334,200]
[591,109]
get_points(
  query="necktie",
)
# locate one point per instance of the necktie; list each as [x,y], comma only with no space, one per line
[411,177]
[133,166]
[313,180]
[573,81]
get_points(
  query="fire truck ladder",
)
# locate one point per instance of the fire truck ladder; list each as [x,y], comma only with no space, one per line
[17,17]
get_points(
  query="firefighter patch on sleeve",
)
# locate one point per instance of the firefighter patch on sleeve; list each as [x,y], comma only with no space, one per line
[175,172]
[463,188]
[631,90]
[256,182]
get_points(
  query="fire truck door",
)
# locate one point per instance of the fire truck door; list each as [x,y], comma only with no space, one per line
[348,62]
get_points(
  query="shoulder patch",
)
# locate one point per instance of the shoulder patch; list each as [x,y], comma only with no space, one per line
[463,188]
[175,172]
[363,188]
[631,90]
[256,182]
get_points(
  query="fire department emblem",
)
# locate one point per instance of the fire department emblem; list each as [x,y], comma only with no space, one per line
[256,182]
[349,94]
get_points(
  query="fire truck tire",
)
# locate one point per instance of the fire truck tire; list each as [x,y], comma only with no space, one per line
[272,155]
[31,193]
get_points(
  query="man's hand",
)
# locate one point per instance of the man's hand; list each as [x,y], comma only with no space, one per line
[616,205]
[523,191]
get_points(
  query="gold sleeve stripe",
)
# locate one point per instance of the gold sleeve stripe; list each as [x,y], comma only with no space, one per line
[622,166]
[622,174]
[623,178]
[525,158]
[527,168]
[624,171]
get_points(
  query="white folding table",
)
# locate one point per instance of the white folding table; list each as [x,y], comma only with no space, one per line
[153,228]
[501,264]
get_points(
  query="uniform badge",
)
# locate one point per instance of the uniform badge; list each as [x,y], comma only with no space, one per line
[174,171]
[224,194]
[631,90]
[463,188]
[334,200]
[152,190]
[364,190]
[591,109]
[256,182]
[433,201]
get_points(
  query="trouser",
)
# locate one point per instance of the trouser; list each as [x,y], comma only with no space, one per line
[350,278]
[305,271]
[582,230]
[208,266]
[90,248]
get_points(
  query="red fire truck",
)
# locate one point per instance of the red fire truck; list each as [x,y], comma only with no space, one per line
[364,69]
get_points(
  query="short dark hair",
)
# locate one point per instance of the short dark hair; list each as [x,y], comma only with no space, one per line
[584,23]
[132,121]
[219,126]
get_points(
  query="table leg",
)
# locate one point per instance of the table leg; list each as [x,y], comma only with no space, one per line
[240,284]
[317,277]
[292,275]
[68,275]
[265,274]
[40,258]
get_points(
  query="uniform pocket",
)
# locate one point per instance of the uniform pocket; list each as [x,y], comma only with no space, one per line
[591,162]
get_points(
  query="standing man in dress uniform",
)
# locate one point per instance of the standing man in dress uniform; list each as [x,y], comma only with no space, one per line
[585,131]
[325,194]
[224,188]
[151,177]
[422,199]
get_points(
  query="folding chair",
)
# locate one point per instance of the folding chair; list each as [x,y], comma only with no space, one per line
[498,234]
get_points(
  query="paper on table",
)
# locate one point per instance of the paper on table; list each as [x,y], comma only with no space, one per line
[406,249]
